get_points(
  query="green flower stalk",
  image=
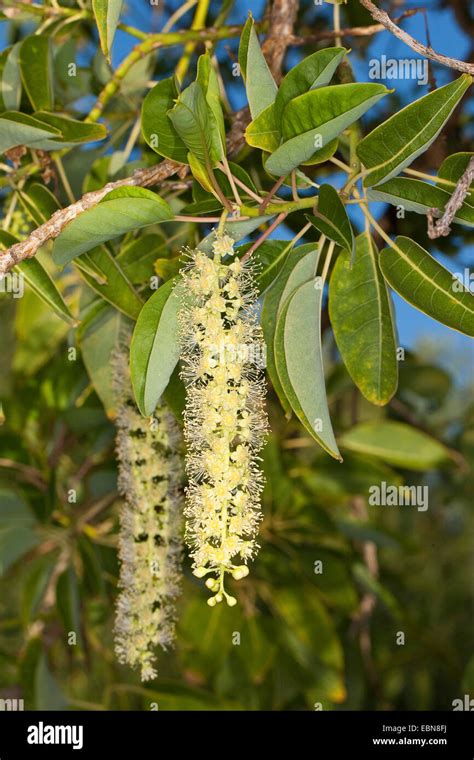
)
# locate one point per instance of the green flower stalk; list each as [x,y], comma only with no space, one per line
[150,546]
[225,420]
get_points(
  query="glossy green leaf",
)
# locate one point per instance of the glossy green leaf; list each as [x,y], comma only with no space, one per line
[154,350]
[195,123]
[299,363]
[427,285]
[259,83]
[396,143]
[20,129]
[395,443]
[418,196]
[120,211]
[314,119]
[36,71]
[107,14]
[362,321]
[452,169]
[331,219]
[157,128]
[314,71]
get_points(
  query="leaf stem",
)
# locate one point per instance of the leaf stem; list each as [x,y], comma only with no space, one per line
[276,222]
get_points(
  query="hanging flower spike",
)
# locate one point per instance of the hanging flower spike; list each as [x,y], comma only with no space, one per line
[150,547]
[225,420]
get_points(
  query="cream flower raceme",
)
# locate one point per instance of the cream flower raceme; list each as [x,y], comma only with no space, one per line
[150,546]
[225,420]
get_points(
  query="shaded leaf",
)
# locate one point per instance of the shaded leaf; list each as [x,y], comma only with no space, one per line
[35,61]
[418,196]
[157,128]
[107,14]
[259,83]
[395,443]
[332,220]
[154,350]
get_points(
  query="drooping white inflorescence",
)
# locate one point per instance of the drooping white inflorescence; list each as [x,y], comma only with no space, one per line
[225,421]
[150,544]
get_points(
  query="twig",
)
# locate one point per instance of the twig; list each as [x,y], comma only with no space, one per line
[264,236]
[441,228]
[282,18]
[383,18]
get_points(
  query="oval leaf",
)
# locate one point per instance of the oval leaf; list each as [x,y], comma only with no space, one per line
[418,196]
[331,219]
[423,282]
[361,318]
[395,443]
[36,71]
[299,363]
[154,350]
[120,211]
[259,83]
[157,128]
[313,120]
[107,14]
[396,143]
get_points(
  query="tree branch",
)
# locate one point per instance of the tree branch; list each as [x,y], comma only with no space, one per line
[26,249]
[383,18]
[441,228]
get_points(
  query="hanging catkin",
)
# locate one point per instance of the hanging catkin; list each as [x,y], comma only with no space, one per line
[150,546]
[225,420]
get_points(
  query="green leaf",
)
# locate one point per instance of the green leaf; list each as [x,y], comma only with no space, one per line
[73,132]
[68,602]
[98,337]
[418,196]
[36,276]
[17,529]
[10,79]
[122,210]
[36,71]
[207,78]
[273,301]
[268,260]
[314,71]
[157,128]
[20,129]
[48,695]
[361,318]
[299,363]
[314,119]
[395,443]
[396,143]
[154,350]
[195,123]
[137,258]
[116,288]
[107,14]
[331,219]
[423,282]
[452,169]
[259,83]
[263,131]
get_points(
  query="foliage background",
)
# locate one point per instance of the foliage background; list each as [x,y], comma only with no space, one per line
[302,637]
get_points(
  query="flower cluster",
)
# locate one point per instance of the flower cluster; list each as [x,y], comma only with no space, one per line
[225,420]
[150,547]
